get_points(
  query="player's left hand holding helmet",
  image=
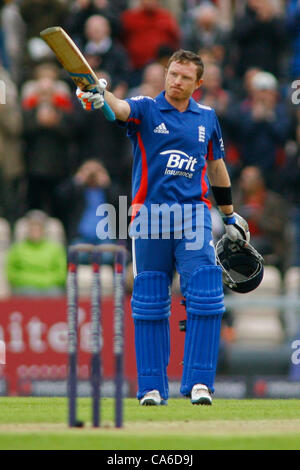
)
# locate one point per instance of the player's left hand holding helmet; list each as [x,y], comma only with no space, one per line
[236,227]
[241,264]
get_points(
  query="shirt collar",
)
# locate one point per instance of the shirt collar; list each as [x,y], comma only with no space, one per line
[164,105]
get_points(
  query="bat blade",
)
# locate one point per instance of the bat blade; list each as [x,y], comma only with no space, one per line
[73,62]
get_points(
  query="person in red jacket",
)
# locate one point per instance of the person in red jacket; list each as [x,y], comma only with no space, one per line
[144,29]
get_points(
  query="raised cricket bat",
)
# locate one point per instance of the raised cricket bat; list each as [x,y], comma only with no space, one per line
[74,62]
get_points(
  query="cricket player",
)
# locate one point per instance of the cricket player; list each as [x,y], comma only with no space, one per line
[178,153]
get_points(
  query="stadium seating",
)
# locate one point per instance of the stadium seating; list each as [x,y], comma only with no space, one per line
[260,325]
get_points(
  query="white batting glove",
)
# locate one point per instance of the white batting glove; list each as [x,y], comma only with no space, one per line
[236,227]
[91,100]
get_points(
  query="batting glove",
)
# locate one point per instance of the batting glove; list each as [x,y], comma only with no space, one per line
[92,100]
[236,227]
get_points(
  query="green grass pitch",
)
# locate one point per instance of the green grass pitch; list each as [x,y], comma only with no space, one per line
[40,423]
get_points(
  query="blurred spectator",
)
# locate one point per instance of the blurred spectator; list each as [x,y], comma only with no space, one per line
[261,38]
[45,87]
[211,93]
[47,138]
[152,83]
[247,90]
[79,198]
[293,28]
[14,30]
[174,6]
[289,187]
[40,14]
[261,126]
[105,54]
[267,214]
[163,55]
[144,29]
[36,266]
[106,141]
[205,31]
[226,9]
[11,158]
[81,10]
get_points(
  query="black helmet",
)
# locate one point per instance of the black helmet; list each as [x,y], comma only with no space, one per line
[242,265]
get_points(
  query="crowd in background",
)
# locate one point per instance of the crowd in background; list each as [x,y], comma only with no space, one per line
[59,159]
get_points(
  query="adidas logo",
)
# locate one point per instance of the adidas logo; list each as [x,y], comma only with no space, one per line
[161,129]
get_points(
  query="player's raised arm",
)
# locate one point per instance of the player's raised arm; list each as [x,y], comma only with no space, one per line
[92,101]
[236,226]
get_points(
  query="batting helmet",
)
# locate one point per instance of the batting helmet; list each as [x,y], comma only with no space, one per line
[242,265]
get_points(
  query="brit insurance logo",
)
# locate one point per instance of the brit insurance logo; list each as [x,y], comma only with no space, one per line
[179,163]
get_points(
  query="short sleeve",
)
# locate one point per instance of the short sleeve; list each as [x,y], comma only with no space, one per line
[215,148]
[139,108]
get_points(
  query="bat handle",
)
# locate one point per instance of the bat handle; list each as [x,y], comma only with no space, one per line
[108,112]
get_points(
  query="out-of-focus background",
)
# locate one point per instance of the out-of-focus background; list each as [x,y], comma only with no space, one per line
[58,163]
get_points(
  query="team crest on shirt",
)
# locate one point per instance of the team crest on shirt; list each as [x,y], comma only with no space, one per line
[201,130]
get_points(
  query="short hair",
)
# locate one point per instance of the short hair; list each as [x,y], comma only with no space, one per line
[183,57]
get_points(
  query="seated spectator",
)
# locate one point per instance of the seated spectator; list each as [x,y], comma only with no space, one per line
[106,54]
[267,214]
[153,82]
[36,266]
[79,198]
[144,29]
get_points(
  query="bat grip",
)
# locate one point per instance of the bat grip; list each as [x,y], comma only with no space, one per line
[108,112]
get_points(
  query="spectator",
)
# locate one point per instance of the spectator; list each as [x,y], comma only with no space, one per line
[289,187]
[110,145]
[261,127]
[260,36]
[205,31]
[14,30]
[152,83]
[293,28]
[47,138]
[40,14]
[45,87]
[36,266]
[163,55]
[267,215]
[144,29]
[79,197]
[11,158]
[106,55]
[82,10]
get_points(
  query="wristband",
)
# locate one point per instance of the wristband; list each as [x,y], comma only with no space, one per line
[229,219]
[222,195]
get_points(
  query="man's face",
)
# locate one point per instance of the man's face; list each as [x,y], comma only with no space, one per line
[181,80]
[36,231]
